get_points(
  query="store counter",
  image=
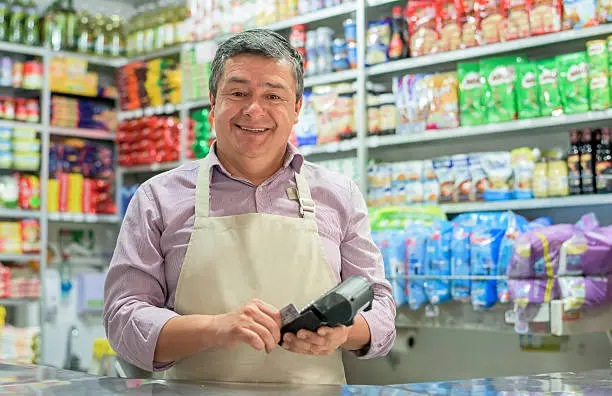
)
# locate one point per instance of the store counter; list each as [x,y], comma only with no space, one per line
[41,380]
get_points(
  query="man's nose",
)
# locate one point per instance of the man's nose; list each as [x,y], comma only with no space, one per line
[254,108]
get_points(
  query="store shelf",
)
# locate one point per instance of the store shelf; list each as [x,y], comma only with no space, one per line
[592,320]
[376,3]
[526,204]
[331,78]
[18,214]
[170,51]
[156,167]
[167,109]
[195,104]
[22,49]
[412,64]
[19,124]
[531,125]
[19,258]
[17,302]
[314,16]
[82,133]
[448,277]
[91,59]
[330,148]
[84,218]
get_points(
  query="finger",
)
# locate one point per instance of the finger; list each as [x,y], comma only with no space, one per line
[261,317]
[322,351]
[264,334]
[325,331]
[252,338]
[270,310]
[312,338]
[293,344]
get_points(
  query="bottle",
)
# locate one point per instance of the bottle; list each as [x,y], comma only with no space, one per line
[116,40]
[159,23]
[603,163]
[99,38]
[170,26]
[84,39]
[149,29]
[4,19]
[16,22]
[586,162]
[70,41]
[398,48]
[573,163]
[31,30]
[58,28]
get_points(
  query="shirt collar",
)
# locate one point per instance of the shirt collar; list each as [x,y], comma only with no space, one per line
[293,158]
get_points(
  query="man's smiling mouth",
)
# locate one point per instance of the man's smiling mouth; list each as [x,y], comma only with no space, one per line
[254,130]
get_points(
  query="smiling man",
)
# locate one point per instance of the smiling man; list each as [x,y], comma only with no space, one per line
[210,251]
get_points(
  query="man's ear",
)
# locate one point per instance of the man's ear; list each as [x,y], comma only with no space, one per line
[298,108]
[211,97]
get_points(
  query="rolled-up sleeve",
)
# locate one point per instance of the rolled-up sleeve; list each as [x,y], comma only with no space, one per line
[360,256]
[135,288]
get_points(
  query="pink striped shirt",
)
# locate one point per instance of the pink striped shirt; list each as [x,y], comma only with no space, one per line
[141,283]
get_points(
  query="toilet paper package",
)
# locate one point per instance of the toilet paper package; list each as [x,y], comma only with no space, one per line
[485,246]
[438,262]
[416,250]
[460,262]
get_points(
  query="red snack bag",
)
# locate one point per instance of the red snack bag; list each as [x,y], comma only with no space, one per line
[422,26]
[545,16]
[89,190]
[29,192]
[469,22]
[449,15]
[490,22]
[516,19]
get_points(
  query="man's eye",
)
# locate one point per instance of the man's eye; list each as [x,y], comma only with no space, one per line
[274,97]
[238,94]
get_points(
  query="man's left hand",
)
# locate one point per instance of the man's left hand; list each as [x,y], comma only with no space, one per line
[322,343]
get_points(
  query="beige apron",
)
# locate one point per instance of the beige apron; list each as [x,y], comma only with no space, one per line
[233,259]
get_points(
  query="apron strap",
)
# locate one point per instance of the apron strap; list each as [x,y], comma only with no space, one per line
[307,204]
[202,193]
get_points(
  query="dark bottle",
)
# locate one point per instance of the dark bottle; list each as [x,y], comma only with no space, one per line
[398,48]
[603,163]
[587,163]
[573,163]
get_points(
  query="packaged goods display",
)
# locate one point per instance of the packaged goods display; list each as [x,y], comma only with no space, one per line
[20,237]
[80,113]
[147,84]
[19,149]
[196,62]
[18,282]
[200,134]
[21,191]
[21,74]
[81,178]
[149,140]
[73,76]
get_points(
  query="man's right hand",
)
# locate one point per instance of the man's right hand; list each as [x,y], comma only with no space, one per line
[255,323]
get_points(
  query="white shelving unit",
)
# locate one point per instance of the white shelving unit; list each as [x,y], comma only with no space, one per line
[19,214]
[529,204]
[82,133]
[19,258]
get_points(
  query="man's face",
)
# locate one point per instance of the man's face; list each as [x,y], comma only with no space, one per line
[255,108]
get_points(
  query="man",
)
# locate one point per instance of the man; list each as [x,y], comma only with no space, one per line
[210,251]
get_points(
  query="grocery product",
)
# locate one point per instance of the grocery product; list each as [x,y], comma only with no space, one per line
[498,168]
[527,94]
[484,250]
[599,88]
[148,140]
[460,262]
[471,110]
[540,179]
[533,291]
[574,82]
[588,251]
[412,103]
[549,91]
[10,238]
[587,163]
[536,253]
[378,39]
[546,16]
[334,108]
[464,187]
[80,113]
[579,14]
[490,21]
[604,11]
[573,163]
[603,163]
[449,16]
[422,27]
[443,168]
[469,29]
[398,47]
[523,164]
[516,19]
[443,101]
[480,180]
[438,262]
[499,75]
[584,292]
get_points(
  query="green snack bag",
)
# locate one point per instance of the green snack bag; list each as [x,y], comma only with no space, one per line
[574,82]
[527,90]
[470,94]
[599,90]
[548,84]
[499,100]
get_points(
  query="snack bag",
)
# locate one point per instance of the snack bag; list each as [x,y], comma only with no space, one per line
[599,89]
[469,28]
[574,82]
[499,89]
[498,168]
[449,14]
[418,102]
[527,91]
[549,92]
[422,27]
[545,16]
[523,165]
[443,101]
[604,11]
[443,167]
[402,100]
[516,19]
[470,94]
[480,181]
[490,21]
[464,188]
[578,14]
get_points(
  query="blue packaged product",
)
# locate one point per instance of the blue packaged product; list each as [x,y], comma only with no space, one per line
[516,226]
[306,129]
[397,266]
[460,262]
[438,262]
[416,250]
[484,255]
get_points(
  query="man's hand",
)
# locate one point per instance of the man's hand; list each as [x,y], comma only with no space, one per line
[322,343]
[255,323]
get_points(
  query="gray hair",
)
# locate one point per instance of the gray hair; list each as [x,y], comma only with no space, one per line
[258,42]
